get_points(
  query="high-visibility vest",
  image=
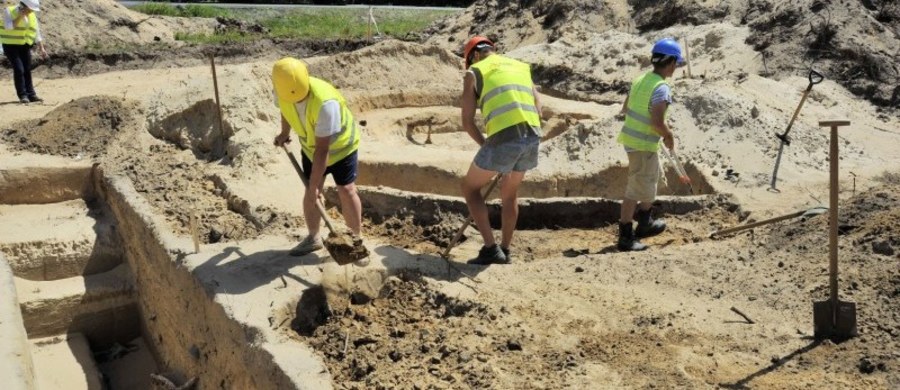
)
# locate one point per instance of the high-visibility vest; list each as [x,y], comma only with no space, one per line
[637,134]
[343,143]
[507,95]
[22,33]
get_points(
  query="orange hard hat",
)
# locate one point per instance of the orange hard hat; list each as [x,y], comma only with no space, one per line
[471,45]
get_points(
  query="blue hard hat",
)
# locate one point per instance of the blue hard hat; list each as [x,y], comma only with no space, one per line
[669,47]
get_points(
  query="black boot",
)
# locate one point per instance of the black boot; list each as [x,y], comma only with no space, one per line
[627,242]
[647,226]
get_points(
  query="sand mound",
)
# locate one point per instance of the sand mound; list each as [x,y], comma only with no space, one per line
[854,44]
[869,254]
[84,127]
[76,24]
[392,65]
[520,23]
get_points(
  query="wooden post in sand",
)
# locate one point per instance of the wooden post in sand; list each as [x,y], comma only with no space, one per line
[212,63]
[369,26]
[194,235]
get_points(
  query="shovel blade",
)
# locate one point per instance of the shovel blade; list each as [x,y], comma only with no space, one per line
[830,325]
[345,249]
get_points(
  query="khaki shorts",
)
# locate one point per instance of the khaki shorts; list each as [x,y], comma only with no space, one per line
[643,176]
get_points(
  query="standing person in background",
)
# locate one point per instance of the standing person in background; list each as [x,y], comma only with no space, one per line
[646,110]
[502,88]
[20,33]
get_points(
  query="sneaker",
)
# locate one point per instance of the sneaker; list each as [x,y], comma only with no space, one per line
[490,255]
[24,100]
[506,253]
[35,99]
[309,245]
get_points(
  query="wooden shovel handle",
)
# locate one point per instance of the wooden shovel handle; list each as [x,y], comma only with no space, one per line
[462,229]
[319,206]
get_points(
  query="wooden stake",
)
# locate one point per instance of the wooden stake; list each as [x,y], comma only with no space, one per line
[194,235]
[212,63]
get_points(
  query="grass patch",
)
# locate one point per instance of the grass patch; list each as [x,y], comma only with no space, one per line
[352,23]
[188,11]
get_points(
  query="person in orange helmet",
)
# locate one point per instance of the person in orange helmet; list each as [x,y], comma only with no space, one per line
[502,89]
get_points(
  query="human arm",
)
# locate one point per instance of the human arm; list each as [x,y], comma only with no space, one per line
[39,41]
[319,164]
[467,102]
[537,101]
[621,114]
[285,136]
[658,122]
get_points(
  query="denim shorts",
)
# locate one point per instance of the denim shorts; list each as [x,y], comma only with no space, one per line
[512,149]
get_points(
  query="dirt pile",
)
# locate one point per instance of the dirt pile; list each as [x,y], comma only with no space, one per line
[76,24]
[413,335]
[869,263]
[854,43]
[178,185]
[82,128]
[391,65]
[520,23]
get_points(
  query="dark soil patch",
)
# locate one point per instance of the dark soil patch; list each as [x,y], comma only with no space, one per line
[81,128]
[413,335]
[563,82]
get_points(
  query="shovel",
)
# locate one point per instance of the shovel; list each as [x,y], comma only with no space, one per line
[682,174]
[814,78]
[343,247]
[834,318]
[805,214]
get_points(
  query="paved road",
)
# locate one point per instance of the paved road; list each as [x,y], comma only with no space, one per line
[289,6]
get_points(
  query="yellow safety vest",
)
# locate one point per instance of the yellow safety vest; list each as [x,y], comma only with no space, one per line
[507,97]
[23,33]
[637,133]
[342,144]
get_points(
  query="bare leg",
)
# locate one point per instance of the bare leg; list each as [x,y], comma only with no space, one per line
[311,214]
[509,188]
[351,207]
[628,207]
[472,184]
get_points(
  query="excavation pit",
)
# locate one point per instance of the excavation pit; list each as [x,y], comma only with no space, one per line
[410,330]
[74,289]
[99,294]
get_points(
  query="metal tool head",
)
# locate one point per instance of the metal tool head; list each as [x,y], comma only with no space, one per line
[784,138]
[345,248]
[828,324]
[813,212]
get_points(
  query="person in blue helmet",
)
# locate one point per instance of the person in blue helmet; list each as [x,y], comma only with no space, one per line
[646,110]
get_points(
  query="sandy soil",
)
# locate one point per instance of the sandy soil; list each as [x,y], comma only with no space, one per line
[570,312]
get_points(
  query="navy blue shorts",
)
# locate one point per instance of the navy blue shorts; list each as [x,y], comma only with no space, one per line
[344,171]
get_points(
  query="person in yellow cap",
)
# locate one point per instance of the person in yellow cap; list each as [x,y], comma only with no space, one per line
[329,139]
[20,33]
[502,89]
